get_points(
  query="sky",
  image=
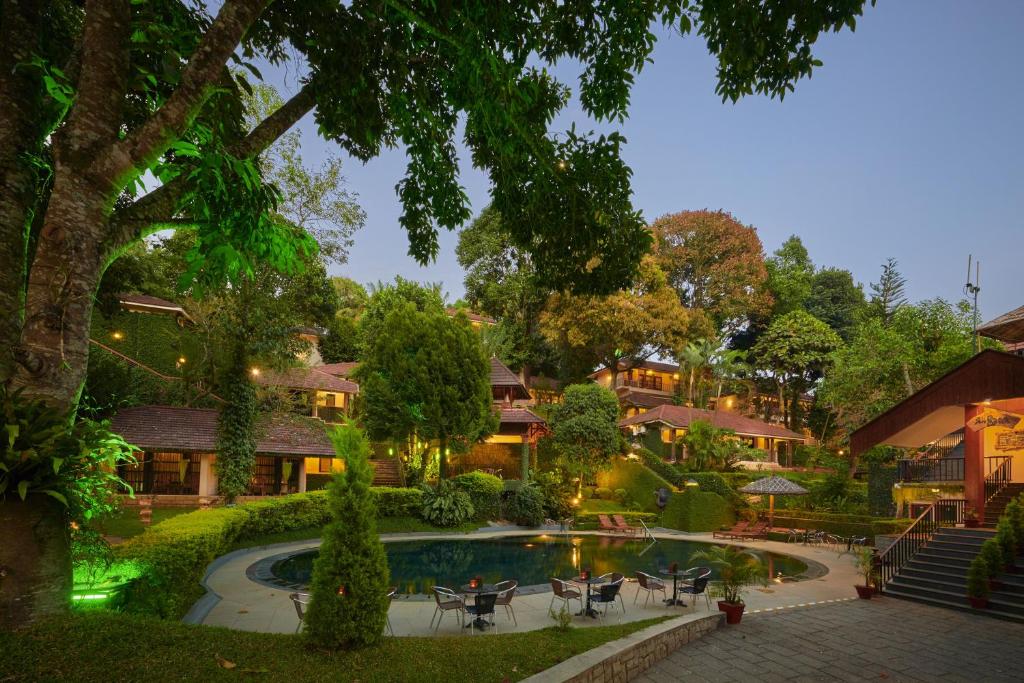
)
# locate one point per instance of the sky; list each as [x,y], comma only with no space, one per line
[907,143]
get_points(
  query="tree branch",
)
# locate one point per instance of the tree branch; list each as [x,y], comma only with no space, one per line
[157,208]
[145,144]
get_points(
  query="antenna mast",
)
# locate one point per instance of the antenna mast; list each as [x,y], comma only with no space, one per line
[971,289]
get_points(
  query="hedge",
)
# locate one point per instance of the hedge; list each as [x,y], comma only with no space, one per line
[484,492]
[640,482]
[588,520]
[664,470]
[697,511]
[174,554]
[823,522]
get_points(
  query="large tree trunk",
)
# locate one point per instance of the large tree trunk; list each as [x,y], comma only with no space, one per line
[35,566]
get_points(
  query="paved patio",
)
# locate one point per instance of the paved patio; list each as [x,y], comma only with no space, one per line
[879,639]
[249,606]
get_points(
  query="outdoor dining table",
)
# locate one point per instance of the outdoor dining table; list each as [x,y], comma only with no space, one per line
[676,575]
[476,592]
[591,581]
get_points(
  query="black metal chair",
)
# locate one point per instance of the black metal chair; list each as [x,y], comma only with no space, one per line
[650,584]
[607,596]
[698,585]
[483,607]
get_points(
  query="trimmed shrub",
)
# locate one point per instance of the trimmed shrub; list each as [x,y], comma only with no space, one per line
[993,556]
[977,578]
[525,507]
[587,492]
[603,493]
[639,481]
[844,525]
[349,588]
[671,474]
[713,482]
[557,494]
[697,511]
[484,492]
[445,505]
[397,502]
[880,482]
[1007,541]
[621,495]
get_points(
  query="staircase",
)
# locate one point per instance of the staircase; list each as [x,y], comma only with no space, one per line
[996,505]
[937,575]
[386,473]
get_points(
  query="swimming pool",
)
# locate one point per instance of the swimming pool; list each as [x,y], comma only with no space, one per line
[419,564]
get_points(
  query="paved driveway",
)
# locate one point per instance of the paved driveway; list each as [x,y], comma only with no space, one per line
[884,639]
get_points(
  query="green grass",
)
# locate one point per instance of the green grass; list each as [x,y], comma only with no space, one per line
[597,505]
[126,522]
[118,647]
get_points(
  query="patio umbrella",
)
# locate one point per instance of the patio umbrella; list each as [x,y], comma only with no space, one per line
[773,486]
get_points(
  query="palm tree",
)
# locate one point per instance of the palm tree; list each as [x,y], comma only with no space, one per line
[694,358]
[726,366]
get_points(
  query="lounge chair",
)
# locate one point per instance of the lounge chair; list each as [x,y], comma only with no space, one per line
[759,530]
[301,602]
[447,600]
[507,591]
[564,592]
[650,584]
[730,533]
[606,524]
[624,526]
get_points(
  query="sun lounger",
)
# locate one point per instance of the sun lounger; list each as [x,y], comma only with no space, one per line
[623,526]
[730,533]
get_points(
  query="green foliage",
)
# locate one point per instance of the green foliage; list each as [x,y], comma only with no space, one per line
[43,453]
[790,274]
[709,448]
[484,492]
[340,343]
[640,482]
[888,295]
[836,300]
[1015,514]
[349,586]
[714,482]
[737,569]
[1007,540]
[388,298]
[621,495]
[445,505]
[695,511]
[880,483]
[992,553]
[589,519]
[236,425]
[397,502]
[584,429]
[864,560]
[840,524]
[671,474]
[977,578]
[602,493]
[525,506]
[557,494]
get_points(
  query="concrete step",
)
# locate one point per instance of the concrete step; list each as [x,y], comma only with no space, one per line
[964,533]
[1010,604]
[961,605]
[958,545]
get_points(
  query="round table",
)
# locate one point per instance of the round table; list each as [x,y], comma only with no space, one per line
[676,575]
[482,589]
[592,581]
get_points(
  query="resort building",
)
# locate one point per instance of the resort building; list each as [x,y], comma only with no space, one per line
[660,428]
[315,392]
[642,387]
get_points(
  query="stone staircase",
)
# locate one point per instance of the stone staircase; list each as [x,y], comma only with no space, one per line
[386,473]
[995,507]
[937,575]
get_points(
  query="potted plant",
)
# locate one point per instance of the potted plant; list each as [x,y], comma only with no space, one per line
[865,561]
[992,554]
[971,520]
[736,571]
[1007,544]
[977,583]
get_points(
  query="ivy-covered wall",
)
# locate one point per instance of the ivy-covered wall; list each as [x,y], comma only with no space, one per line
[697,511]
[639,482]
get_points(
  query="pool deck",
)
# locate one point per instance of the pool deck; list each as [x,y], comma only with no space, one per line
[250,606]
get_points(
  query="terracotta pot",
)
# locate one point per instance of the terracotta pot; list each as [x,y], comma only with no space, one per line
[994,585]
[865,592]
[972,523]
[733,611]
[978,603]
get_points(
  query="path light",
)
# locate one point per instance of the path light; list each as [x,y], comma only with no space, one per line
[117,335]
[181,360]
[255,372]
[342,592]
[692,483]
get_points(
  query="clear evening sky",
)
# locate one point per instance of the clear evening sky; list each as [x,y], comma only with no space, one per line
[906,143]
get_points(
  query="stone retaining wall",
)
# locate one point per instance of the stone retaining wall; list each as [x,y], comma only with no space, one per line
[625,659]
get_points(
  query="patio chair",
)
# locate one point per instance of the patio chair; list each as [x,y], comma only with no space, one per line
[391,596]
[301,602]
[795,535]
[613,578]
[650,584]
[447,600]
[507,591]
[482,607]
[624,526]
[759,530]
[606,596]
[698,585]
[564,592]
[729,533]
[606,524]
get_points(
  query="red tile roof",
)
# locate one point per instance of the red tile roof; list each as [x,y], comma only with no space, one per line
[680,417]
[307,378]
[520,416]
[502,377]
[172,428]
[473,317]
[656,365]
[644,399]
[339,369]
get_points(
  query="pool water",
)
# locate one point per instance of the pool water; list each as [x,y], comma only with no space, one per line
[532,560]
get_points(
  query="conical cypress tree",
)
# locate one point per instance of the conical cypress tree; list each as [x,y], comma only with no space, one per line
[350,577]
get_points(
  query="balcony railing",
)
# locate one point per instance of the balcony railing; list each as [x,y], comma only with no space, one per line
[931,469]
[652,382]
[331,414]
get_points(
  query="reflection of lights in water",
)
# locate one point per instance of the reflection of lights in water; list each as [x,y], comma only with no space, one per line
[529,545]
[575,557]
[577,541]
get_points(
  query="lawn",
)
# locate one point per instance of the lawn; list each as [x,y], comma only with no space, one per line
[598,505]
[104,646]
[126,522]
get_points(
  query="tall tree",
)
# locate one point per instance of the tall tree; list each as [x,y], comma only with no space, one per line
[584,431]
[836,300]
[790,275]
[622,329]
[716,265]
[388,297]
[888,294]
[795,349]
[352,297]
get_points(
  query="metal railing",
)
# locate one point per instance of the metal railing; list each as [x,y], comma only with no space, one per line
[945,512]
[332,414]
[998,473]
[652,382]
[931,469]
[647,532]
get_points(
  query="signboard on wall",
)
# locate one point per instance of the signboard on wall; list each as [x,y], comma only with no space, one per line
[990,417]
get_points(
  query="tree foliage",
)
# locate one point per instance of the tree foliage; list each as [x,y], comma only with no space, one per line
[350,581]
[236,429]
[716,265]
[388,297]
[790,276]
[888,295]
[836,300]
[584,429]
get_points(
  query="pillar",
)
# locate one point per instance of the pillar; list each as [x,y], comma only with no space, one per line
[974,463]
[302,475]
[524,466]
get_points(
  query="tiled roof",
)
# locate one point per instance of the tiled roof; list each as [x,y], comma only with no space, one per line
[656,365]
[473,317]
[1008,327]
[145,302]
[339,369]
[307,378]
[520,416]
[502,377]
[643,399]
[681,417]
[172,428]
